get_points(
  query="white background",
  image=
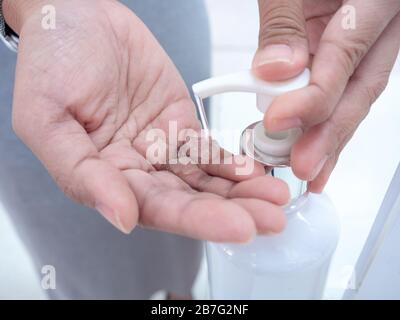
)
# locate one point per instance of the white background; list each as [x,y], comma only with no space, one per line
[357,185]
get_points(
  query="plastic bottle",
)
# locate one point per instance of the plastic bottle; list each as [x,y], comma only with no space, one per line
[291,265]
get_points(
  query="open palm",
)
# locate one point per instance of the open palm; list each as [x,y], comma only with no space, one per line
[86,95]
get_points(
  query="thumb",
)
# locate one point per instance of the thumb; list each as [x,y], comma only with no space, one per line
[283,45]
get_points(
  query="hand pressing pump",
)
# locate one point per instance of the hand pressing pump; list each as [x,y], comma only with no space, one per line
[293,264]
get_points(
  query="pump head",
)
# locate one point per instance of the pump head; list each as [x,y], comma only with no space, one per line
[270,149]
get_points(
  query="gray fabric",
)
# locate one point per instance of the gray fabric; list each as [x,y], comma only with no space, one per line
[92,259]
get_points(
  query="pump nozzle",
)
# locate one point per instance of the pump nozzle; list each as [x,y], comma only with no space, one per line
[268,148]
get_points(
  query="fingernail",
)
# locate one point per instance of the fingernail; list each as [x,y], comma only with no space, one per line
[275,53]
[284,124]
[318,168]
[111,216]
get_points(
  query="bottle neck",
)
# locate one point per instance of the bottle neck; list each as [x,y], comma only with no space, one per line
[297,187]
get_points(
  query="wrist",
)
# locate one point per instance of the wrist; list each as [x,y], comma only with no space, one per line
[16,12]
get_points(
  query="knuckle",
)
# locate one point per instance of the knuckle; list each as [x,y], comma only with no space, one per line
[349,51]
[342,129]
[65,184]
[357,47]
[320,108]
[322,112]
[68,190]
[376,86]
[280,20]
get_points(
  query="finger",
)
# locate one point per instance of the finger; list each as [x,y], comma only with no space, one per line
[235,168]
[73,161]
[318,14]
[318,8]
[283,48]
[168,205]
[210,157]
[317,185]
[339,53]
[267,217]
[324,142]
[265,188]
[200,180]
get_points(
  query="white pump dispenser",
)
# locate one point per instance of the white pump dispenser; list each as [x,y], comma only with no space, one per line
[290,265]
[274,145]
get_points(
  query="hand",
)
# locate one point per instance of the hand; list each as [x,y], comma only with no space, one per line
[349,70]
[86,95]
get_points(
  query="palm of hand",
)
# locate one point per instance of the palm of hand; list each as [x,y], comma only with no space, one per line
[101,89]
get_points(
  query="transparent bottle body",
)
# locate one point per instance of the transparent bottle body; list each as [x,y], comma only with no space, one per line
[291,265]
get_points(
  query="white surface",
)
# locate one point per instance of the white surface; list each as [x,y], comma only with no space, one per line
[383,278]
[356,187]
[376,273]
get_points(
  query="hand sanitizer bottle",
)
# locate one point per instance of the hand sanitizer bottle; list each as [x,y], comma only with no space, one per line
[290,265]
